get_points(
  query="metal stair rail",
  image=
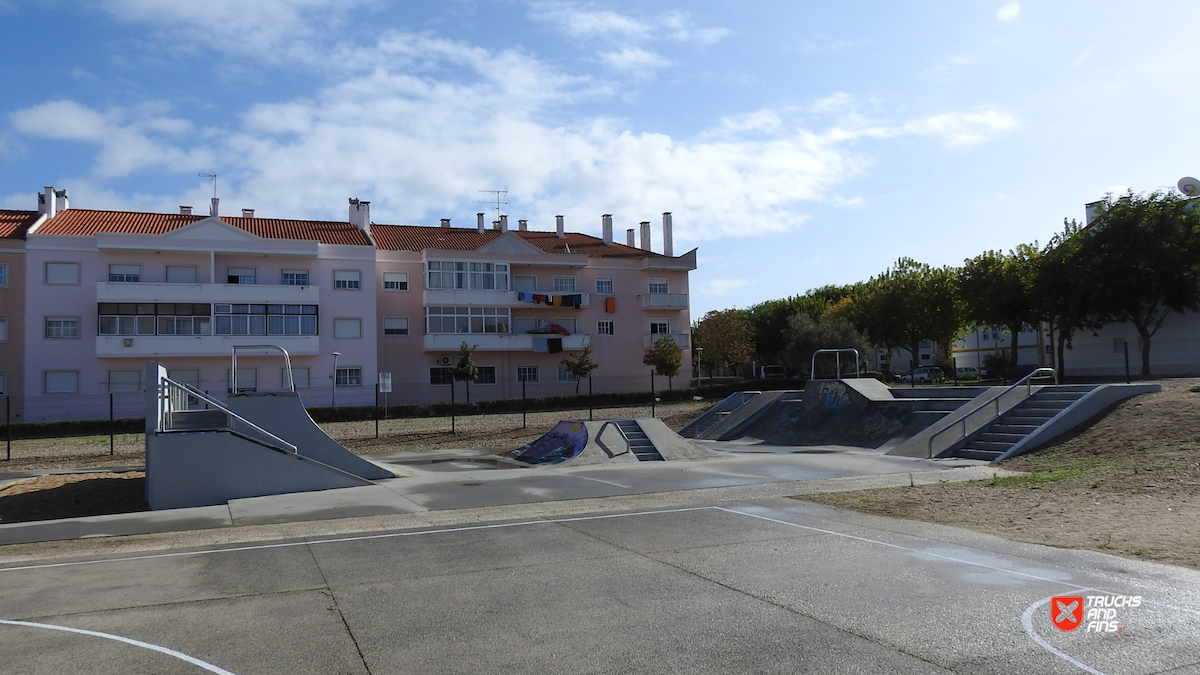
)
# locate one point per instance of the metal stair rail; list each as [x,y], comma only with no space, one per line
[994,413]
[837,353]
[174,412]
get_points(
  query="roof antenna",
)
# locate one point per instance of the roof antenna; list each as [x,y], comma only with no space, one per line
[212,210]
[499,195]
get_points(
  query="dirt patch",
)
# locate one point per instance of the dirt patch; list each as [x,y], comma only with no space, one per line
[73,495]
[1128,485]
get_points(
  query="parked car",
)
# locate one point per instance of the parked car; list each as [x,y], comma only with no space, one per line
[971,373]
[924,375]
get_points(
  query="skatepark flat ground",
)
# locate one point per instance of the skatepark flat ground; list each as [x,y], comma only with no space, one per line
[733,579]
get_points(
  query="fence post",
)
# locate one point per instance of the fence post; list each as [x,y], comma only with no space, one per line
[652,394]
[524,424]
[112,425]
[7,428]
[590,406]
[1126,344]
[376,411]
[453,428]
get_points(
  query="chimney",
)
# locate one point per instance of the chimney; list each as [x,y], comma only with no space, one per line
[558,221]
[46,202]
[247,213]
[60,200]
[185,210]
[496,225]
[360,215]
[445,222]
[629,238]
[479,222]
[645,235]
[523,225]
[213,211]
[606,226]
[504,223]
[668,236]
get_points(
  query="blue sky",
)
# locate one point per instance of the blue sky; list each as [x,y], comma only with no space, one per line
[797,144]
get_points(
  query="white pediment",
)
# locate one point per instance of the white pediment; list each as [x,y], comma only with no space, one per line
[212,229]
[509,243]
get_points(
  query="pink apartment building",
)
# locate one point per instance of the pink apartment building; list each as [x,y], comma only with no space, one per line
[106,291]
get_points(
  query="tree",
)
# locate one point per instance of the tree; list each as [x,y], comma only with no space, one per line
[466,370]
[664,358]
[725,337]
[1144,254]
[909,304]
[806,334]
[999,290]
[1063,293]
[581,366]
[770,318]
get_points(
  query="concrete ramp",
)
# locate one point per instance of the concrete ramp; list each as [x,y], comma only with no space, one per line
[283,414]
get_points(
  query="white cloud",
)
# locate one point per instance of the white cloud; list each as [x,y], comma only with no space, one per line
[959,129]
[633,60]
[1008,11]
[580,20]
[719,286]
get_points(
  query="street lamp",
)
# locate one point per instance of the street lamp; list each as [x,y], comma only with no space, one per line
[335,359]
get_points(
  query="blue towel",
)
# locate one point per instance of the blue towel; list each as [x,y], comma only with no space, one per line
[541,344]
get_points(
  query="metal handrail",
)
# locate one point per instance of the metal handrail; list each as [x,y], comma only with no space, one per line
[619,431]
[812,372]
[287,362]
[994,399]
[164,394]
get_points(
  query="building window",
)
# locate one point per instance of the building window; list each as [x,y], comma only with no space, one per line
[347,328]
[487,375]
[564,284]
[137,325]
[62,274]
[565,374]
[658,286]
[605,328]
[528,374]
[350,376]
[149,318]
[300,377]
[241,275]
[3,329]
[395,281]
[247,380]
[128,273]
[188,376]
[62,327]
[660,326]
[604,287]
[124,380]
[443,320]
[181,274]
[62,381]
[524,282]
[347,280]
[570,323]
[440,375]
[265,319]
[3,275]
[461,276]
[293,278]
[395,325]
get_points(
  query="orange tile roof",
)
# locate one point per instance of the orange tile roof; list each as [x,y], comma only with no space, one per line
[14,223]
[86,222]
[419,238]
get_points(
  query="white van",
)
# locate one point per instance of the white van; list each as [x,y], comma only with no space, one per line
[771,372]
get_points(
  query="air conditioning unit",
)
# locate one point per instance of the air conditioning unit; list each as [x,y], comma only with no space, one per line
[445,360]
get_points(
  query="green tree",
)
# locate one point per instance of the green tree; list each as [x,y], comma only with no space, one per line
[807,334]
[1063,292]
[770,318]
[999,290]
[466,370]
[726,338]
[909,304]
[1144,253]
[664,358]
[580,366]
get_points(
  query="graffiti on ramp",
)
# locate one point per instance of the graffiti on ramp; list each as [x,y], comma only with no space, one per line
[565,441]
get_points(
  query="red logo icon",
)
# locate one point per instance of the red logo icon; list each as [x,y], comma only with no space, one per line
[1066,611]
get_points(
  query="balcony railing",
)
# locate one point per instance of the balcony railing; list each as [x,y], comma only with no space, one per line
[665,301]
[143,346]
[514,342]
[682,339]
[114,291]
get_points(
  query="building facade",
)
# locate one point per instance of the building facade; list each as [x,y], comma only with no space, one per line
[92,295]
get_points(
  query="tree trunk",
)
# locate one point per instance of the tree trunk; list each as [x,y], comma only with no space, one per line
[1013,348]
[1145,336]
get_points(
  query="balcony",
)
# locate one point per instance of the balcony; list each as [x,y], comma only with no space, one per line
[116,291]
[684,340]
[510,342]
[675,301]
[145,346]
[441,298]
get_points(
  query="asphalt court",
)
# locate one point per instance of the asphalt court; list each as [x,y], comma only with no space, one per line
[766,585]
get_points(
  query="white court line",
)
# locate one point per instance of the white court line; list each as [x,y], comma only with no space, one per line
[1027,624]
[130,641]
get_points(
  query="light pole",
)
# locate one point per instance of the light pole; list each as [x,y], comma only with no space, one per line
[335,359]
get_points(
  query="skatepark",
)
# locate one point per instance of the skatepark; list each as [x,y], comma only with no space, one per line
[593,557]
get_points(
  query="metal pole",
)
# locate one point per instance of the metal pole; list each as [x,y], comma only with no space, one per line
[954,365]
[376,410]
[8,428]
[1126,362]
[524,424]
[652,393]
[453,422]
[112,425]
[590,397]
[334,397]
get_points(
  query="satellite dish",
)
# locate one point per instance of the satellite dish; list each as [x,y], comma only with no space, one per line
[1189,186]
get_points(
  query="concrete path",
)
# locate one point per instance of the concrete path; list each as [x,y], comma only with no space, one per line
[721,580]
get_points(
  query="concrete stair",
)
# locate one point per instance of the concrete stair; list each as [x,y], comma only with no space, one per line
[1010,428]
[639,443]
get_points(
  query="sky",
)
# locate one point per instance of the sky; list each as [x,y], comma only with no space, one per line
[797,144]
